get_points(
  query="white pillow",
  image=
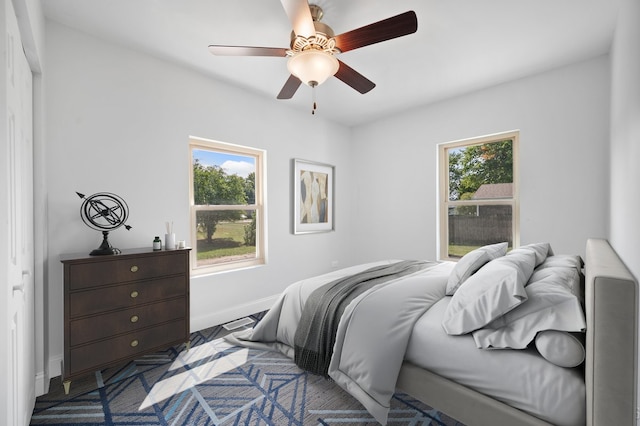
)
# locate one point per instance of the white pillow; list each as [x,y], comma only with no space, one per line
[560,348]
[565,260]
[494,290]
[565,270]
[542,250]
[550,306]
[471,262]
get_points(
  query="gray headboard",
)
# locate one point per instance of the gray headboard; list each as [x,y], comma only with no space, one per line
[611,304]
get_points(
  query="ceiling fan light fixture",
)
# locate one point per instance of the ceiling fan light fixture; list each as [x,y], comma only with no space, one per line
[313,66]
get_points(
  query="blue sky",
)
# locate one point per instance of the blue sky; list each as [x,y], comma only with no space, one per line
[232,164]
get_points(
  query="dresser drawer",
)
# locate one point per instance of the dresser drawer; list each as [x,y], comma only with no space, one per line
[107,325]
[124,296]
[88,358]
[84,275]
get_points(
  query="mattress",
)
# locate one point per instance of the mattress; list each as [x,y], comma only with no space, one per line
[520,378]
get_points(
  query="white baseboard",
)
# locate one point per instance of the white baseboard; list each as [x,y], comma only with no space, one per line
[232,313]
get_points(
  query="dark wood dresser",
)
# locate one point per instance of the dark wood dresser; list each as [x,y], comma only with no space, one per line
[119,307]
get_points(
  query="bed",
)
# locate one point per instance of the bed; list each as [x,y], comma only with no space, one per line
[481,352]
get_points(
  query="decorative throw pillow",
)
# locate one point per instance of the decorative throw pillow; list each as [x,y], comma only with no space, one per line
[566,270]
[561,348]
[494,290]
[542,250]
[549,306]
[471,262]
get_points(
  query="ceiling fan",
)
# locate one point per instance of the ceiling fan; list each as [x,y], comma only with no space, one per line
[314,46]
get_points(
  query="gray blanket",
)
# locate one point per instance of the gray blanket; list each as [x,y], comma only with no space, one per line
[316,333]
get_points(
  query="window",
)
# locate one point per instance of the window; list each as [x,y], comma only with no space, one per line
[478,194]
[227,206]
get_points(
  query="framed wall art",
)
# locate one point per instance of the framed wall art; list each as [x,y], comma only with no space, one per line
[313,197]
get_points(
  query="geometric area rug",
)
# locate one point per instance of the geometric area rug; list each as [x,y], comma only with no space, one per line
[215,383]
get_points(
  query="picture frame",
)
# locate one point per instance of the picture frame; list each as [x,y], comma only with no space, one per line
[313,197]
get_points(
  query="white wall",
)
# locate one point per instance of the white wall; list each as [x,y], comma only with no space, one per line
[119,121]
[624,204]
[625,136]
[563,118]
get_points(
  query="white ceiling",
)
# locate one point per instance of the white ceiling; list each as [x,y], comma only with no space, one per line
[460,45]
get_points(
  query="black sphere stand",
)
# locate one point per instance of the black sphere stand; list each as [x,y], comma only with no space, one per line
[105,247]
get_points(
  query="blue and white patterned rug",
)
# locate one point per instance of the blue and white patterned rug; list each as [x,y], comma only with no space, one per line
[215,383]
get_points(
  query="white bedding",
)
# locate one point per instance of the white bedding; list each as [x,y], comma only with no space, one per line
[372,335]
[520,378]
[376,332]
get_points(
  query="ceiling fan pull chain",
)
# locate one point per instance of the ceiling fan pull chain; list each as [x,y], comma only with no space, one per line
[313,98]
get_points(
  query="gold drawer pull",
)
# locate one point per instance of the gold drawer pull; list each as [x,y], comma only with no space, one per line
[134,318]
[134,343]
[134,268]
[134,294]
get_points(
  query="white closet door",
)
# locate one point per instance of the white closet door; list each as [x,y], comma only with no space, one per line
[18,181]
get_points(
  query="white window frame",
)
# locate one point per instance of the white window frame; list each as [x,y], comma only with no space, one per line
[443,188]
[259,207]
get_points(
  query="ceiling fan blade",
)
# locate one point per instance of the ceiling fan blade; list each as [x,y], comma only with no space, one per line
[247,51]
[353,78]
[300,17]
[289,88]
[387,29]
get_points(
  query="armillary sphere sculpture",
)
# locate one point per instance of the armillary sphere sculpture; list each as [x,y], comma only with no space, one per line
[104,211]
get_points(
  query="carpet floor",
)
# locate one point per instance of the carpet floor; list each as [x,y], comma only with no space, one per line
[215,383]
